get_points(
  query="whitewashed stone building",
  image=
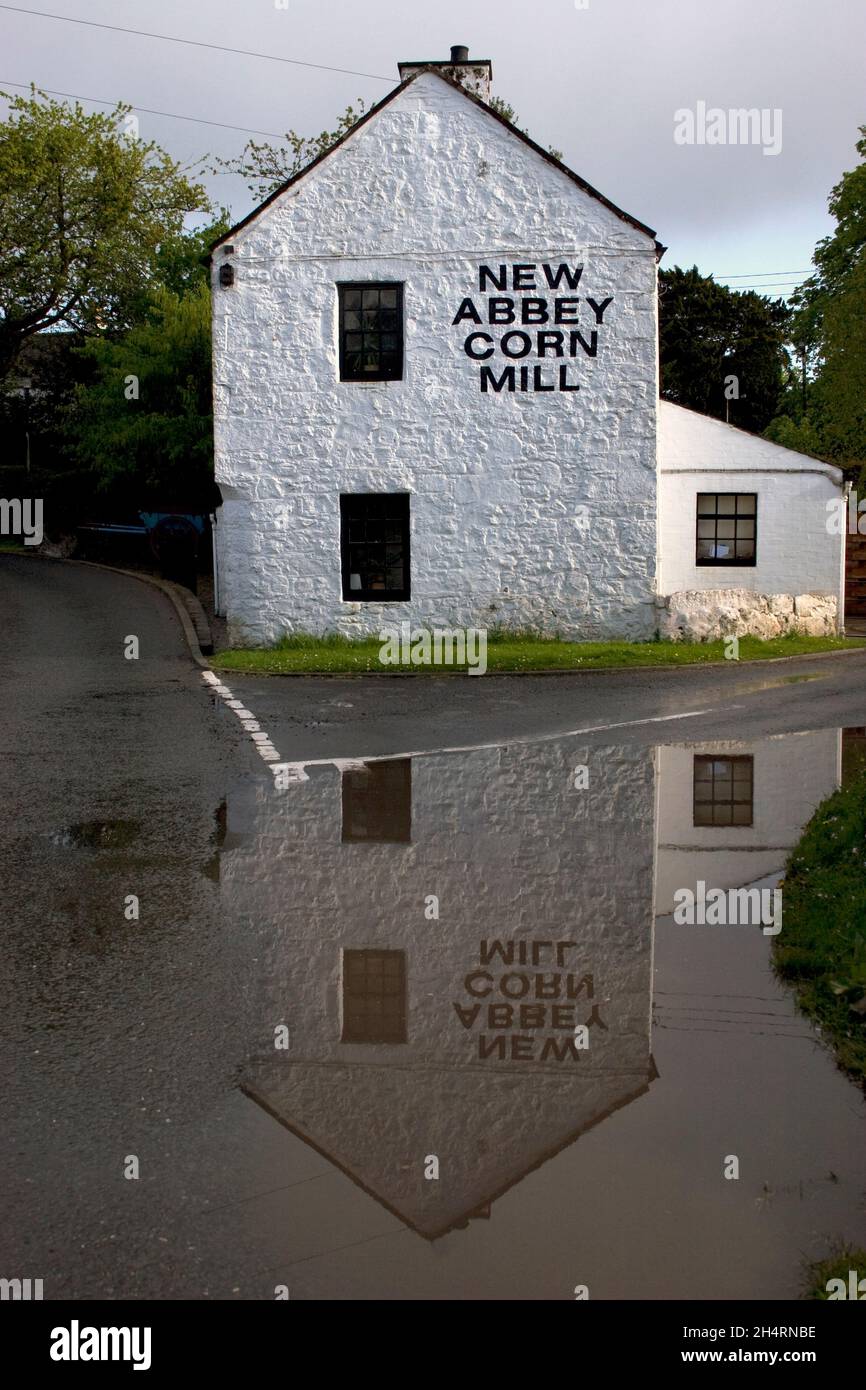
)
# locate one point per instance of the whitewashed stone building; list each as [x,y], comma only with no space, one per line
[436,400]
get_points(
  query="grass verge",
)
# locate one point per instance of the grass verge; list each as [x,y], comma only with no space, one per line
[821,949]
[835,1266]
[509,652]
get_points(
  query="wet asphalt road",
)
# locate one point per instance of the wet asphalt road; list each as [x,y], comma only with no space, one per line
[123,1038]
[310,718]
[110,777]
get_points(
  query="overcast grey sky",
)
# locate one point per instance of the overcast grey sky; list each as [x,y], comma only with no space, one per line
[601,83]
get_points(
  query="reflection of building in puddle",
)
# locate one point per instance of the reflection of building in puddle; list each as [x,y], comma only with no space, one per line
[730,813]
[435,936]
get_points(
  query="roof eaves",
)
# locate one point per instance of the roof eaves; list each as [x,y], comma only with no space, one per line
[470,96]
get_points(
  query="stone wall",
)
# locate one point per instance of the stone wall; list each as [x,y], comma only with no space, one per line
[703,615]
[533,508]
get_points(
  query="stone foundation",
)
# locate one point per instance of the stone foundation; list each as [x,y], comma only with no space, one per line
[702,615]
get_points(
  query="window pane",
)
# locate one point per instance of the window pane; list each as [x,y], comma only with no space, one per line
[747,503]
[727,504]
[706,503]
[725,529]
[745,529]
[375,545]
[363,322]
[706,550]
[745,550]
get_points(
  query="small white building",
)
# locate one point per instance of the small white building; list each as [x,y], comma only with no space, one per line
[436,400]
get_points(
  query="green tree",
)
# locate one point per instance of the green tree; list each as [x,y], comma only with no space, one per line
[721,352]
[86,212]
[830,322]
[143,426]
[267,167]
[504,109]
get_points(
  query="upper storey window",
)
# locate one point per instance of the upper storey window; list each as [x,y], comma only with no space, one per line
[371,332]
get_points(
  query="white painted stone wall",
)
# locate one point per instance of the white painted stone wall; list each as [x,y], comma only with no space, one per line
[797,581]
[534,509]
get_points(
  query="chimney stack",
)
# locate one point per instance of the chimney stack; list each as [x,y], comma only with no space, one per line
[475,74]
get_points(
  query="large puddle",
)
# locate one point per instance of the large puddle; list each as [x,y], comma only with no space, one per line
[483,1060]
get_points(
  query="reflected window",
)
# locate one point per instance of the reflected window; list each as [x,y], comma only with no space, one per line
[723,790]
[727,524]
[377,802]
[374,996]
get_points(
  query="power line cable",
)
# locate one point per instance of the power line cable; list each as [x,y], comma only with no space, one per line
[148,110]
[195,43]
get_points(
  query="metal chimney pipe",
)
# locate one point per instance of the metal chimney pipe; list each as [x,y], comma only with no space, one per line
[459,53]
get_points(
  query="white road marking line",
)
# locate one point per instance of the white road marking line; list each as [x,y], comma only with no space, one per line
[295,771]
[261,740]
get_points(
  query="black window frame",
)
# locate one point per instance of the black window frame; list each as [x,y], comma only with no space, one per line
[741,759]
[356,1027]
[728,562]
[401,518]
[394,372]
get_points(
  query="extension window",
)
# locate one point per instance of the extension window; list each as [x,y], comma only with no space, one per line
[727,527]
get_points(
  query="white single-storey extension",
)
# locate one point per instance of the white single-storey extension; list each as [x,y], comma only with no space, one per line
[436,401]
[724,490]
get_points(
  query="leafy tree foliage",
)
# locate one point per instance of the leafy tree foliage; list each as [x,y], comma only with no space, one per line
[267,167]
[829,326]
[86,213]
[144,424]
[721,351]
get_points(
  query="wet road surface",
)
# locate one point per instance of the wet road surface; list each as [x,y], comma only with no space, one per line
[291,1031]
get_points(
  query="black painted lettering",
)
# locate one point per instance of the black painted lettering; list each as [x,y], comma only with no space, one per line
[572,277]
[590,348]
[506,381]
[473,338]
[523,277]
[598,309]
[564,383]
[467,310]
[550,339]
[524,344]
[486,275]
[565,310]
[534,311]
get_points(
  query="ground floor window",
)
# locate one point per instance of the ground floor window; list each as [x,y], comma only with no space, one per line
[727,523]
[374,546]
[374,996]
